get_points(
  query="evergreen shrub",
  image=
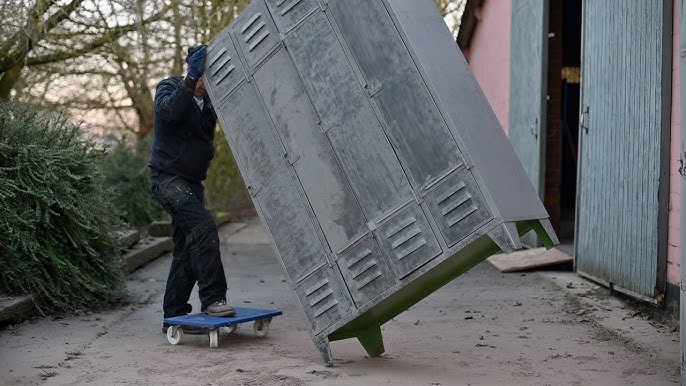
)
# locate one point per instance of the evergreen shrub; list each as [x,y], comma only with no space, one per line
[127,173]
[224,188]
[56,216]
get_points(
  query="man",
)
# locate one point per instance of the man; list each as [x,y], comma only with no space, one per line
[184,123]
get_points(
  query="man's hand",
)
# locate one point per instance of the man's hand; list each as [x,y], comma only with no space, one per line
[196,64]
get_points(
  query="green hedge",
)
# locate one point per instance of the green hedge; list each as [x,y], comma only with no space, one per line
[224,188]
[127,173]
[56,216]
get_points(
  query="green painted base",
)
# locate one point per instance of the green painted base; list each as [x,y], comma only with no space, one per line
[371,340]
[366,327]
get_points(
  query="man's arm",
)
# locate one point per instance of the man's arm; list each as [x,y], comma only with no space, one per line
[172,99]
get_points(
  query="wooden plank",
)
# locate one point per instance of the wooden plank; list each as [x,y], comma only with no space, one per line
[529,259]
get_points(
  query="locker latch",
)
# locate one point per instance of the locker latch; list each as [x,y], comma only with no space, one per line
[372,89]
[331,259]
[253,192]
[584,119]
[326,126]
[416,197]
[290,160]
[682,171]
[534,128]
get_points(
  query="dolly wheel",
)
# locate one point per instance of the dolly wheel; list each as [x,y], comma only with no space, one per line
[228,329]
[174,334]
[261,328]
[214,338]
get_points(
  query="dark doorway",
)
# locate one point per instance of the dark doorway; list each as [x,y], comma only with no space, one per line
[564,62]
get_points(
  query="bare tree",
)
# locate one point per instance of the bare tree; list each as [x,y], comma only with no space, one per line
[103,58]
[50,31]
[451,10]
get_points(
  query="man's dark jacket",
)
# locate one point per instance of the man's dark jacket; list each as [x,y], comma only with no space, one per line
[183,133]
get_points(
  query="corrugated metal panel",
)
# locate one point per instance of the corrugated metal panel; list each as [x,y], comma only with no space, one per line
[682,300]
[528,86]
[623,125]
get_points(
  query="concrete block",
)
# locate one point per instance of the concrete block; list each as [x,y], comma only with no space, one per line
[127,238]
[14,309]
[160,229]
[146,251]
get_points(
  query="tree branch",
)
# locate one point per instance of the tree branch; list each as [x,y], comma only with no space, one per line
[108,36]
[24,39]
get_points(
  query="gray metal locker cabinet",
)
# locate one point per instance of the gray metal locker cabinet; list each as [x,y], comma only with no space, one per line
[372,156]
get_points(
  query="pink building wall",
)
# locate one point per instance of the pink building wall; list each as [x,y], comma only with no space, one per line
[674,235]
[491,62]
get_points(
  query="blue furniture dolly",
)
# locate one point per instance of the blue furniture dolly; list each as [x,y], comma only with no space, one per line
[215,325]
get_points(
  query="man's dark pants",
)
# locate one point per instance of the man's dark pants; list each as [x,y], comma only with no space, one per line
[196,255]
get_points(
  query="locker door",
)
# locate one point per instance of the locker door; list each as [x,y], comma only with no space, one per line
[256,146]
[412,120]
[309,152]
[348,119]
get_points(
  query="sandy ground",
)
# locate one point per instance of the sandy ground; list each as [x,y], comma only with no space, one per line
[485,328]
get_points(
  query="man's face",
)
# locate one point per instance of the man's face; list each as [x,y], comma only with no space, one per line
[200,88]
